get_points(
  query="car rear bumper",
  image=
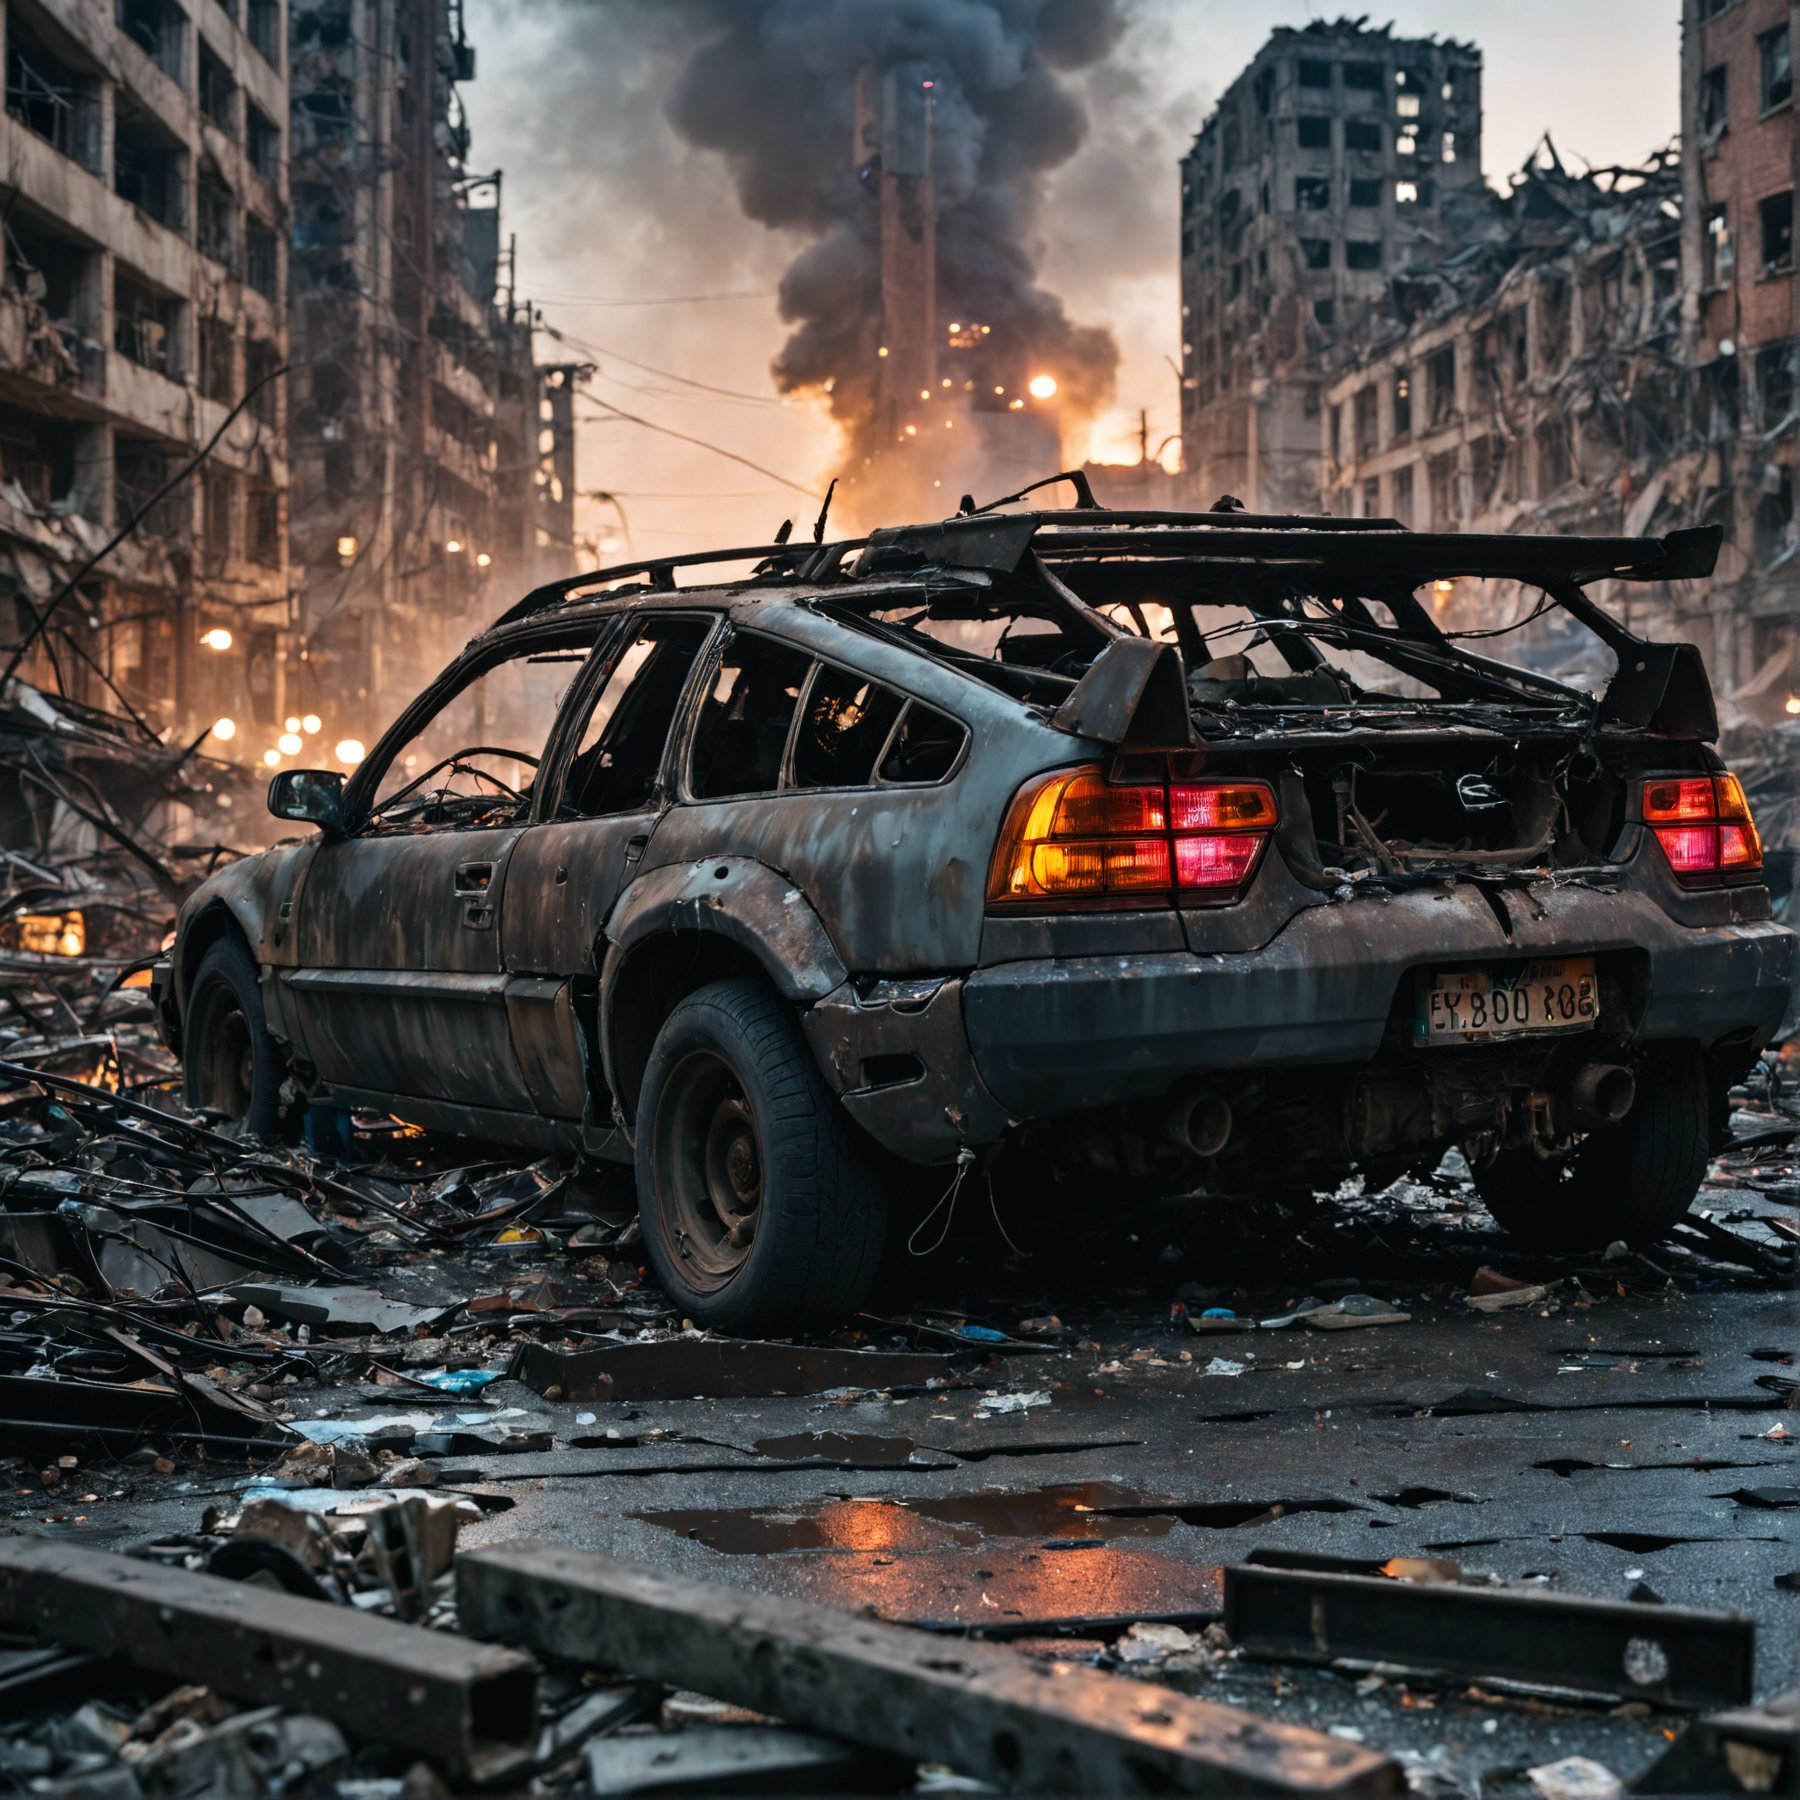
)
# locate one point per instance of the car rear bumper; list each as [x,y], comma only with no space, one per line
[1052,1034]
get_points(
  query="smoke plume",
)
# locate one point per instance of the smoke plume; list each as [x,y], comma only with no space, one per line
[768,86]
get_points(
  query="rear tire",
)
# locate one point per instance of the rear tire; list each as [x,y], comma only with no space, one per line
[1633,1181]
[761,1207]
[231,1067]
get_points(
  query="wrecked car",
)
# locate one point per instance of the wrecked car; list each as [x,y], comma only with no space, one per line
[1192,849]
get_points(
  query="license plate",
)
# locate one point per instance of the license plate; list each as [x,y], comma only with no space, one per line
[1464,1006]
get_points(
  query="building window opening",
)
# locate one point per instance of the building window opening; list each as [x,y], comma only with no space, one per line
[218,360]
[1719,259]
[218,92]
[1312,193]
[147,168]
[262,142]
[48,97]
[1777,64]
[1362,253]
[215,218]
[1363,76]
[1406,193]
[144,328]
[1715,101]
[1314,130]
[1402,405]
[1362,134]
[1316,252]
[1315,74]
[261,258]
[1778,233]
[38,454]
[155,27]
[1365,191]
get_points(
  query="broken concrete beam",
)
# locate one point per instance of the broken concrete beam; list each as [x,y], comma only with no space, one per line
[470,1708]
[1676,1656]
[983,1710]
[713,1369]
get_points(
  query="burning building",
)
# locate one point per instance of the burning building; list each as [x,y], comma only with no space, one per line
[914,304]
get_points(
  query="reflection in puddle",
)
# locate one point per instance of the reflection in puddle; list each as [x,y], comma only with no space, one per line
[1076,1512]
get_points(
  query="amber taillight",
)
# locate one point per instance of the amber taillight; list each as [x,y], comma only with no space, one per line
[1704,826]
[1073,839]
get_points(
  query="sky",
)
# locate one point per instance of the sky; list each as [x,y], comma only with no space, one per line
[632,244]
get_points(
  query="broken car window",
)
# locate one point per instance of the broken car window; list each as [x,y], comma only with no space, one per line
[843,729]
[620,754]
[474,762]
[1018,639]
[743,725]
[925,747]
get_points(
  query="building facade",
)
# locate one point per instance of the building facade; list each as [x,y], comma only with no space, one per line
[1742,308]
[427,487]
[1326,163]
[143,170]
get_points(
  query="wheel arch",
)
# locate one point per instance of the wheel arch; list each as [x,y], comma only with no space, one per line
[677,929]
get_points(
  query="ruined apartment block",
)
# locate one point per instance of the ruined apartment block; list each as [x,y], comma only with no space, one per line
[1743,315]
[1532,381]
[422,437]
[1324,166]
[143,163]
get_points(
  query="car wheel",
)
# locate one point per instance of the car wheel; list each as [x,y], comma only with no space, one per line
[1632,1181]
[231,1068]
[762,1210]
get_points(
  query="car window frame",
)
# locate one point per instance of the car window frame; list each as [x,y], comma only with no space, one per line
[474,662]
[707,669]
[874,783]
[564,741]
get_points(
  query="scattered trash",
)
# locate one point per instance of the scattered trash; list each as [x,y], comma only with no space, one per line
[1575,1778]
[1491,1291]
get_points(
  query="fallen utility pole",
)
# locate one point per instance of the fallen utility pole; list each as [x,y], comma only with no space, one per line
[984,1710]
[1676,1656]
[471,1708]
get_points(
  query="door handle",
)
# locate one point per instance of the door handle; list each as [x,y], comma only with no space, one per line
[636,846]
[474,877]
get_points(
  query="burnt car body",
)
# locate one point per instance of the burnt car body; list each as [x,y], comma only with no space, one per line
[1186,847]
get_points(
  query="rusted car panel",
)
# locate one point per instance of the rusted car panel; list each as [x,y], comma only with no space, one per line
[1165,841]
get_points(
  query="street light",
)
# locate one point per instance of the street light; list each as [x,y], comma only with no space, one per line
[218,638]
[288,743]
[1042,387]
[224,730]
[350,750]
[312,724]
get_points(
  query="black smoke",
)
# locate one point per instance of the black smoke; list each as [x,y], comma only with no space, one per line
[768,86]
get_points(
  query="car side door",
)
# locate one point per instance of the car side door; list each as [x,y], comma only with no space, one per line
[605,789]
[398,987]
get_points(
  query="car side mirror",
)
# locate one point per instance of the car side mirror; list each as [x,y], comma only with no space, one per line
[309,797]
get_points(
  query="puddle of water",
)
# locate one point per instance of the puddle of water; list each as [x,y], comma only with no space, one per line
[1072,1514]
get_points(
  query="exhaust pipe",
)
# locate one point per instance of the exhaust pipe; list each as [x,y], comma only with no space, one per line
[1198,1122]
[1601,1094]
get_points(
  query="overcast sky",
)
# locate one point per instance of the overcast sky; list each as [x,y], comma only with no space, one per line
[608,207]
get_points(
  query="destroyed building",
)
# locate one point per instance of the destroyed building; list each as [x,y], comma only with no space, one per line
[1532,381]
[429,454]
[1742,313]
[1325,165]
[145,206]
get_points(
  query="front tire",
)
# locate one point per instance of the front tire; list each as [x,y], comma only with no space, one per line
[761,1208]
[231,1069]
[1632,1181]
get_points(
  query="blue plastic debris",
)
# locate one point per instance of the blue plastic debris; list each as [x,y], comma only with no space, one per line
[1218,1312]
[981,1334]
[458,1381]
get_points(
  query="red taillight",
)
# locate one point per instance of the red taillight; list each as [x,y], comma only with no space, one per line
[1072,839]
[1704,825]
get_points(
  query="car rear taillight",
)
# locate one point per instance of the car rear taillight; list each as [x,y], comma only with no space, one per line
[1704,825]
[1074,839]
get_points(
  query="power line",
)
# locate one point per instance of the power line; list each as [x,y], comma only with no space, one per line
[701,443]
[706,387]
[578,299]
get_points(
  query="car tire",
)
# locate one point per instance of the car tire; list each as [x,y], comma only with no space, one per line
[1631,1181]
[761,1206]
[231,1067]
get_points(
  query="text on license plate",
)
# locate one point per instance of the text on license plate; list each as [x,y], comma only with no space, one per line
[1557,994]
